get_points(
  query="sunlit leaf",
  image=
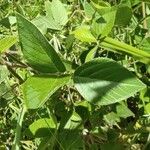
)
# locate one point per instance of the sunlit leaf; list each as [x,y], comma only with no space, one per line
[7,42]
[54,19]
[37,90]
[42,127]
[37,51]
[83,33]
[103,81]
[123,111]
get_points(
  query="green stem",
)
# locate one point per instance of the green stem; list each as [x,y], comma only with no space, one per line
[123,47]
[144,15]
[16,143]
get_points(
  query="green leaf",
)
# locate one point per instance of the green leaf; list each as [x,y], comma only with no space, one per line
[99,4]
[112,146]
[70,135]
[104,17]
[70,129]
[111,118]
[145,45]
[74,122]
[37,51]
[37,90]
[126,2]
[7,42]
[91,54]
[83,33]
[147,108]
[83,109]
[59,16]
[3,73]
[103,82]
[123,15]
[123,111]
[88,9]
[71,139]
[42,128]
[6,93]
[103,24]
[69,42]
[44,22]
[54,19]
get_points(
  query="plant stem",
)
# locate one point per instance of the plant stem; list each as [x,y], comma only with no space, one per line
[16,143]
[144,15]
[123,47]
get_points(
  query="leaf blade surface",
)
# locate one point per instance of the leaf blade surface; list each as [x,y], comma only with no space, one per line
[103,82]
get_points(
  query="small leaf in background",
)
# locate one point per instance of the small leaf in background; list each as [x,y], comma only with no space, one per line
[6,92]
[12,20]
[38,22]
[74,122]
[91,54]
[100,4]
[126,2]
[147,108]
[112,118]
[123,15]
[37,90]
[5,22]
[103,24]
[7,42]
[83,109]
[123,111]
[54,19]
[145,95]
[8,21]
[69,42]
[112,146]
[37,51]
[71,139]
[70,136]
[88,9]
[59,16]
[42,128]
[145,44]
[3,73]
[103,81]
[83,33]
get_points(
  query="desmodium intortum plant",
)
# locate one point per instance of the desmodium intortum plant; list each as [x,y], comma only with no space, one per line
[101,81]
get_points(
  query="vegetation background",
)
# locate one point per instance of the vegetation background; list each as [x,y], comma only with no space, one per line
[75,74]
